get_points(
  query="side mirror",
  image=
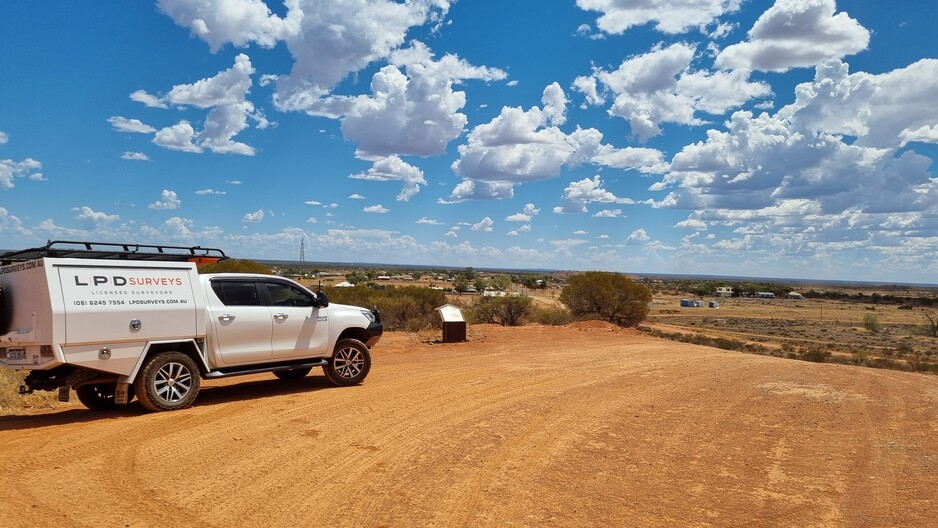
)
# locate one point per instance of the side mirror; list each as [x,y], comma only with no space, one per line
[321,300]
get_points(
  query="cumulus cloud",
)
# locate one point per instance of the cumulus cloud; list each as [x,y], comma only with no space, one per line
[254,217]
[135,156]
[4,138]
[581,193]
[529,212]
[123,124]
[637,237]
[152,101]
[692,223]
[86,213]
[169,200]
[356,196]
[376,209]
[484,225]
[11,224]
[392,168]
[428,221]
[203,192]
[796,33]
[521,146]
[668,16]
[660,87]
[225,98]
[608,213]
[9,169]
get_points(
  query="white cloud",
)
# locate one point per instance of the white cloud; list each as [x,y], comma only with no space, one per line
[141,96]
[12,225]
[254,217]
[796,33]
[522,146]
[637,237]
[122,124]
[169,200]
[428,221]
[311,220]
[312,202]
[529,212]
[177,137]
[136,156]
[660,87]
[484,225]
[579,194]
[225,96]
[4,139]
[392,168]
[692,223]
[10,169]
[86,213]
[412,110]
[668,16]
[233,182]
[608,213]
[356,196]
[203,192]
[378,209]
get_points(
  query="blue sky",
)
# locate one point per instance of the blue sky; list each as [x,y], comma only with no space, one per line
[788,138]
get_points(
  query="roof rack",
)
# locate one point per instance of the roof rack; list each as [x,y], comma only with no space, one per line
[115,251]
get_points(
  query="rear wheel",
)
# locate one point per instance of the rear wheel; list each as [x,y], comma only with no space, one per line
[97,396]
[168,381]
[293,374]
[349,364]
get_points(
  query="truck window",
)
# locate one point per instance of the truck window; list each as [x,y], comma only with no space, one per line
[286,295]
[236,293]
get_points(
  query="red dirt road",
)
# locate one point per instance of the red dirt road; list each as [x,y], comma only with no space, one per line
[535,426]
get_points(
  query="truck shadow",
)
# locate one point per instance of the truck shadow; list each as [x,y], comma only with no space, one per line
[209,395]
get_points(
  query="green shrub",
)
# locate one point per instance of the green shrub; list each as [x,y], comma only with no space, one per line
[410,308]
[872,324]
[506,311]
[551,315]
[609,296]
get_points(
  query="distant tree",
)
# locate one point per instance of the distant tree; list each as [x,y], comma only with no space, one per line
[479,284]
[610,296]
[235,266]
[469,274]
[501,282]
[461,284]
[931,328]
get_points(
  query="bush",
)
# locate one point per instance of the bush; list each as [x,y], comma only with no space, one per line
[410,308]
[506,311]
[609,296]
[551,315]
[872,324]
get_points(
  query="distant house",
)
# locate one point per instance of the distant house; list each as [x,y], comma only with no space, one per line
[765,295]
[383,277]
[724,291]
[795,295]
[344,284]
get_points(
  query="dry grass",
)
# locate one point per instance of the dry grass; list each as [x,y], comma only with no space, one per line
[12,403]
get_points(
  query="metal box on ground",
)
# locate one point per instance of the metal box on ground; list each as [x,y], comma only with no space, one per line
[454,324]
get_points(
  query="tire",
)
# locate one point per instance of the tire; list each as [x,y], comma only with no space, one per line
[349,364]
[168,381]
[97,396]
[293,374]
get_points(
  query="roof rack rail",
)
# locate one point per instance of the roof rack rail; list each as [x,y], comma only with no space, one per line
[116,251]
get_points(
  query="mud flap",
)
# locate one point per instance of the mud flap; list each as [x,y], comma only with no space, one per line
[63,393]
[122,393]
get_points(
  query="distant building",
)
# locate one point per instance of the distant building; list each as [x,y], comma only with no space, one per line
[765,295]
[344,284]
[383,277]
[724,291]
[795,295]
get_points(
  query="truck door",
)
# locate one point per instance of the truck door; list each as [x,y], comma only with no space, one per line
[241,320]
[300,329]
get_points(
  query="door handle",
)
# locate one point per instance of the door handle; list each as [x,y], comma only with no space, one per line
[281,316]
[226,317]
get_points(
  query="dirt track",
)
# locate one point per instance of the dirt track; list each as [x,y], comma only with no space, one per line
[533,426]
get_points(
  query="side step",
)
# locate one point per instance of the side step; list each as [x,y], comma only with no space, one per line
[268,368]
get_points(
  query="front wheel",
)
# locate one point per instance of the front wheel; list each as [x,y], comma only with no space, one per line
[349,364]
[168,381]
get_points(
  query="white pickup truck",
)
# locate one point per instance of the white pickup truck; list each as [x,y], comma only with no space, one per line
[114,321]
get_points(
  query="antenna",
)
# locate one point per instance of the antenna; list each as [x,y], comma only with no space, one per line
[303,249]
